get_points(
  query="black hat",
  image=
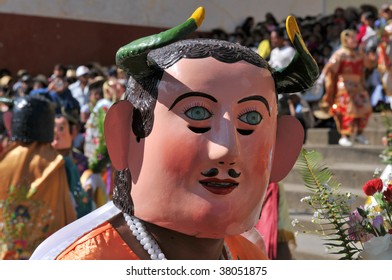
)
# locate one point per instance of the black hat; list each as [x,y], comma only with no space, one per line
[32,120]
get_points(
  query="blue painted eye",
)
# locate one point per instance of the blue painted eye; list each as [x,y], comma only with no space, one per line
[198,113]
[252,118]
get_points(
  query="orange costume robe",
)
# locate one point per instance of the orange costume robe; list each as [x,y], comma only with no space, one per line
[345,92]
[92,237]
[35,196]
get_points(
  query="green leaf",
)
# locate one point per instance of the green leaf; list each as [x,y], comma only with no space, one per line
[362,212]
[327,199]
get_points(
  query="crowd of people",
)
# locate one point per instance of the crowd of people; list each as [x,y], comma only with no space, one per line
[351,49]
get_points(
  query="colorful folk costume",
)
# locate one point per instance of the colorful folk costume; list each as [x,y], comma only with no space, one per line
[34,192]
[384,55]
[192,151]
[345,93]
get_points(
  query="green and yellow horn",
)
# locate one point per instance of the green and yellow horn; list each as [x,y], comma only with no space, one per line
[133,56]
[303,70]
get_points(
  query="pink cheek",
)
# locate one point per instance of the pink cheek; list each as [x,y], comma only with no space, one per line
[260,154]
[181,158]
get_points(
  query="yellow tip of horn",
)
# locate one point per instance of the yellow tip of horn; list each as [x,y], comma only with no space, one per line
[292,27]
[198,16]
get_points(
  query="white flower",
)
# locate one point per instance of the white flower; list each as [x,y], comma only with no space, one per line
[378,248]
[294,222]
[350,198]
[378,170]
[320,214]
[306,199]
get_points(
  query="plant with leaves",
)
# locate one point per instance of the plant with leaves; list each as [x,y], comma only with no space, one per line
[386,154]
[331,207]
[100,158]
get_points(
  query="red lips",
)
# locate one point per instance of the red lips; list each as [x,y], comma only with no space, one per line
[218,186]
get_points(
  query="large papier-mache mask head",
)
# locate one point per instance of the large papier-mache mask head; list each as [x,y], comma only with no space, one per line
[199,129]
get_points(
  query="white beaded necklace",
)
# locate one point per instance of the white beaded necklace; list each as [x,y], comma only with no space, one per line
[148,242]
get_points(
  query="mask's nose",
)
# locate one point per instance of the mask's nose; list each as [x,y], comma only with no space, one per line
[223,147]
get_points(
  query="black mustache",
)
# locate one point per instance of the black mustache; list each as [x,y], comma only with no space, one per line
[211,172]
[214,172]
[233,173]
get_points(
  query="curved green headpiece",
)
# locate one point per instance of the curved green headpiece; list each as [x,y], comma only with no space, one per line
[133,56]
[303,70]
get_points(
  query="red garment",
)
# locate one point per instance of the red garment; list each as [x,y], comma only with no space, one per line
[268,223]
[361,33]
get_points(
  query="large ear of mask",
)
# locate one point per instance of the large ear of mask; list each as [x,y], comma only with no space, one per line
[117,130]
[289,139]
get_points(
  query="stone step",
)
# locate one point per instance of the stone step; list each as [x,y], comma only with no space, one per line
[331,136]
[349,174]
[378,120]
[310,247]
[369,154]
[295,192]
[309,244]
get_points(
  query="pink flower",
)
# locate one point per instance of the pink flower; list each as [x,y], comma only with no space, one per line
[373,186]
[357,233]
[355,218]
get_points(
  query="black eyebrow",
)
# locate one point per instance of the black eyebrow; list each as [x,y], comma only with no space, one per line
[190,94]
[258,98]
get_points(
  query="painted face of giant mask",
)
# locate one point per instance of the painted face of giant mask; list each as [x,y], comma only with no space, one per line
[204,168]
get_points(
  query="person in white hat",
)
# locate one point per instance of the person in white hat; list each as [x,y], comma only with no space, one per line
[80,89]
